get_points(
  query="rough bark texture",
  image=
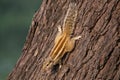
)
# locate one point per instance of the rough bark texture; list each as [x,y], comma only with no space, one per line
[96,55]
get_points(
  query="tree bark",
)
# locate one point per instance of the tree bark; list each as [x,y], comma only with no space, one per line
[96,55]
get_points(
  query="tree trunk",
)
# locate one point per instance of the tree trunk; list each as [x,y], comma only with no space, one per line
[96,55]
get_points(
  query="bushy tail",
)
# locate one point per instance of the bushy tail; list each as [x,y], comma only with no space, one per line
[70,19]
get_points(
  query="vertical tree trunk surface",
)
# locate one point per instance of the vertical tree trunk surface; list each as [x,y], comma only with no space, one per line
[96,55]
